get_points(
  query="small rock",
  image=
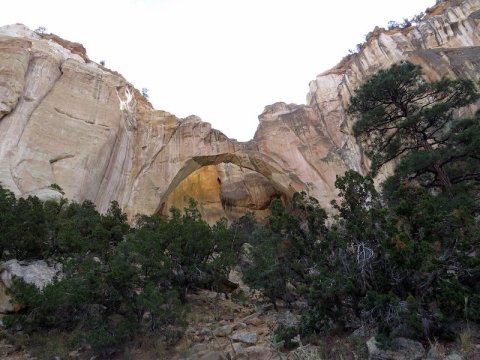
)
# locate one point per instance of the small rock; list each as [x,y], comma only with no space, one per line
[255,321]
[212,355]
[210,294]
[239,325]
[259,353]
[256,309]
[229,318]
[372,346]
[197,348]
[223,331]
[306,352]
[401,349]
[300,305]
[204,331]
[454,356]
[411,348]
[249,338]
[288,319]
[360,332]
[74,354]
[238,348]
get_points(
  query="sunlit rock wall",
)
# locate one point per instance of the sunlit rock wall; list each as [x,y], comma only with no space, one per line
[66,120]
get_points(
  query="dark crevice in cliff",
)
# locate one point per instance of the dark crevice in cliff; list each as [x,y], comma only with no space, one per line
[61,157]
[62,112]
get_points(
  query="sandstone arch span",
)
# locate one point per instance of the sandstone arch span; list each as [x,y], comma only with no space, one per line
[172,149]
[282,181]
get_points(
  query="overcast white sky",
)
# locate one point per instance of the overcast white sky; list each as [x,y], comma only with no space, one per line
[222,60]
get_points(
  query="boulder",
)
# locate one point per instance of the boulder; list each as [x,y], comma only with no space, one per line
[454,356]
[211,355]
[38,273]
[288,319]
[249,338]
[305,352]
[223,331]
[400,349]
[260,353]
[238,348]
[254,321]
[199,348]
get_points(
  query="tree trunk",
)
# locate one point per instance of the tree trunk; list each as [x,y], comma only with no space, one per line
[441,174]
[443,177]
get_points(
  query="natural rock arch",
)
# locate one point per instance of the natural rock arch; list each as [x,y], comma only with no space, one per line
[282,181]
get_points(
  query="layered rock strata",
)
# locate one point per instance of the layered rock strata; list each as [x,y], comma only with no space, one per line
[66,120]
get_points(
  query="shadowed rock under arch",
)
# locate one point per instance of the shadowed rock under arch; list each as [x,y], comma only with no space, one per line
[284,183]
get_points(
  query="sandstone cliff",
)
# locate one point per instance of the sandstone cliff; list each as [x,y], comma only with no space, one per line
[66,120]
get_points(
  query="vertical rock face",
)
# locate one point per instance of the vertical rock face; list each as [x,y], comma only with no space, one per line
[445,43]
[14,54]
[68,121]
[64,124]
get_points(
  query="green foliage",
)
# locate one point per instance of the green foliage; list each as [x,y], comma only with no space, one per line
[351,263]
[286,334]
[7,221]
[411,269]
[400,113]
[431,243]
[117,282]
[102,302]
[41,30]
[268,270]
[458,158]
[32,229]
[240,297]
[23,223]
[56,187]
[283,252]
[183,250]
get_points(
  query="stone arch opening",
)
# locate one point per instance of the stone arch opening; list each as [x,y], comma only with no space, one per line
[284,182]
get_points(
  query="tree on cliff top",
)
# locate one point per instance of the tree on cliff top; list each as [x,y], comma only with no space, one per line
[400,113]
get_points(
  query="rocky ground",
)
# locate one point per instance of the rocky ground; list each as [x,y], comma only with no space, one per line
[12,352]
[226,329]
[243,328]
